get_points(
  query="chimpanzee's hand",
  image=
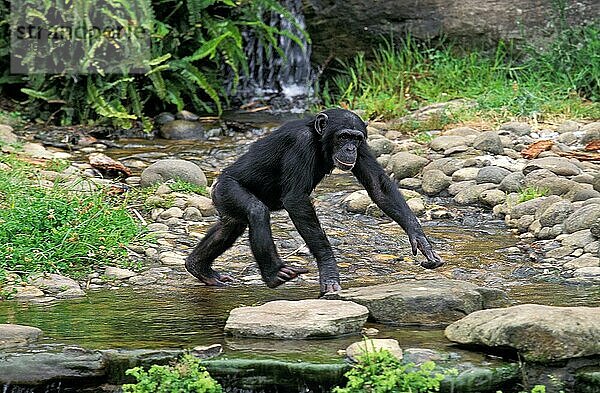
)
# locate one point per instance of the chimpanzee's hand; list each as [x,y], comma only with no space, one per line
[418,241]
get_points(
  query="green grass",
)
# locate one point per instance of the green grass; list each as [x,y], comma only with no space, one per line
[183,186]
[563,79]
[53,230]
[529,193]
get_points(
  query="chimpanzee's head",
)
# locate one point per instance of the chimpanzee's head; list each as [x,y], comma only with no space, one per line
[341,132]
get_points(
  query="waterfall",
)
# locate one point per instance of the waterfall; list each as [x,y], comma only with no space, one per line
[285,83]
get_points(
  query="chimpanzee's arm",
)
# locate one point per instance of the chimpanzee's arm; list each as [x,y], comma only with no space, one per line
[385,194]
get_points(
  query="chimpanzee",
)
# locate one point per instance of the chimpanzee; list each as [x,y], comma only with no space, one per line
[279,172]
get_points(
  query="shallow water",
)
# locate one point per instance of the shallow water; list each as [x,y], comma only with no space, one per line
[369,250]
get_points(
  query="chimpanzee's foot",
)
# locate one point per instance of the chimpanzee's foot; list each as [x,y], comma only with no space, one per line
[328,286]
[208,276]
[285,274]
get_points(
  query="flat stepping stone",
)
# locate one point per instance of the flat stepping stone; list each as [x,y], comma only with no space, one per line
[17,335]
[300,319]
[436,302]
[538,333]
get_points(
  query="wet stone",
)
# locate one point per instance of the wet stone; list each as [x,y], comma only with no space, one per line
[583,261]
[423,302]
[17,335]
[283,319]
[360,348]
[118,273]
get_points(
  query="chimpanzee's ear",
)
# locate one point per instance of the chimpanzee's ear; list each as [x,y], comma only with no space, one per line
[321,122]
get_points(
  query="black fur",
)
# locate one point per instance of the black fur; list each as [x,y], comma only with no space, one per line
[280,171]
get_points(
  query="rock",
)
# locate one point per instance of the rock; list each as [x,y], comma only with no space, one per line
[192,214]
[422,302]
[158,227]
[70,293]
[168,169]
[516,127]
[580,192]
[419,356]
[117,273]
[163,118]
[17,335]
[558,165]
[472,194]
[36,150]
[361,348]
[416,205]
[26,292]
[411,183]
[555,185]
[491,174]
[405,164]
[590,132]
[447,165]
[556,213]
[7,137]
[595,228]
[592,272]
[578,239]
[465,174]
[582,262]
[54,284]
[284,319]
[489,141]
[182,129]
[539,333]
[435,181]
[381,146]
[172,212]
[568,126]
[526,208]
[202,203]
[186,115]
[42,368]
[455,188]
[357,202]
[445,142]
[492,197]
[207,352]
[582,218]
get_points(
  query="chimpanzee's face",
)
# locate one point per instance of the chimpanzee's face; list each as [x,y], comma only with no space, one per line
[345,148]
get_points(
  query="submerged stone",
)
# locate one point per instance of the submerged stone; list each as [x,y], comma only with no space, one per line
[297,319]
[538,333]
[360,348]
[436,302]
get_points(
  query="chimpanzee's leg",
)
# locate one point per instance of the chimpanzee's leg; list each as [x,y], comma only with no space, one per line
[217,240]
[239,201]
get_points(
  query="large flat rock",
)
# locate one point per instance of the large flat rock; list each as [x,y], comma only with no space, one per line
[297,319]
[17,335]
[436,302]
[539,333]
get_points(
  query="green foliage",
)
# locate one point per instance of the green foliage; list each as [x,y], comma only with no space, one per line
[195,46]
[187,376]
[381,372]
[529,193]
[558,79]
[183,186]
[49,229]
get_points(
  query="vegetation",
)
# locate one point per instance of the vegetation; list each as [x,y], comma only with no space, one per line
[185,376]
[529,193]
[381,372]
[46,228]
[183,186]
[188,52]
[562,78]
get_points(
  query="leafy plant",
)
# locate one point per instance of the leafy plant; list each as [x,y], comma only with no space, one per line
[380,372]
[187,375]
[529,193]
[51,229]
[194,48]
